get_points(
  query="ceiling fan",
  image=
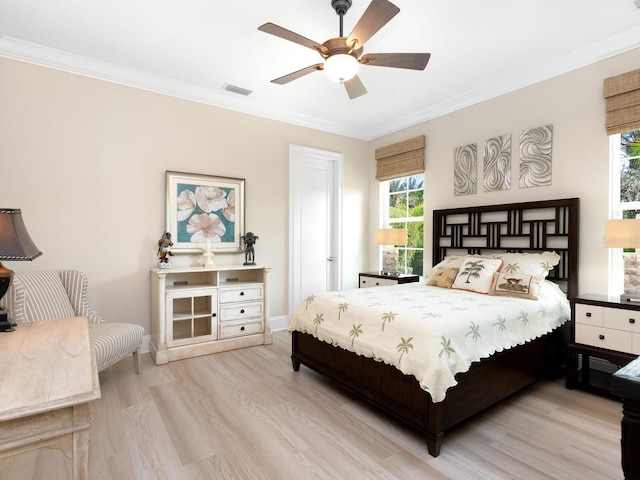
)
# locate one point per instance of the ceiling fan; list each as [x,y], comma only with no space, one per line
[343,55]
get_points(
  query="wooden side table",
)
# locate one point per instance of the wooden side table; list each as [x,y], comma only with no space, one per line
[49,377]
[626,383]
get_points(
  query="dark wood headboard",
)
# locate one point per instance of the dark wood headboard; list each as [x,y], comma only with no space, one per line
[514,227]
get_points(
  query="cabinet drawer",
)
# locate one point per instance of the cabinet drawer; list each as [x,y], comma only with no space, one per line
[229,330]
[241,293]
[604,338]
[622,319]
[376,282]
[238,311]
[589,315]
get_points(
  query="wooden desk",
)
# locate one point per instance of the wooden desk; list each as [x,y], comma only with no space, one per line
[48,376]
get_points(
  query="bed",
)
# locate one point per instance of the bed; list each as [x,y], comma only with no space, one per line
[528,228]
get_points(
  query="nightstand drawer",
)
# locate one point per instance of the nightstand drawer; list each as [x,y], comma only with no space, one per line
[376,282]
[601,337]
[620,319]
[589,315]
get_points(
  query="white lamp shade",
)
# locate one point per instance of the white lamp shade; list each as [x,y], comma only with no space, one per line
[341,67]
[622,233]
[391,236]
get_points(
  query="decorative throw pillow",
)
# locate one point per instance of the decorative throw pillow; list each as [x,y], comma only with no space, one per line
[476,274]
[452,261]
[519,286]
[529,263]
[443,277]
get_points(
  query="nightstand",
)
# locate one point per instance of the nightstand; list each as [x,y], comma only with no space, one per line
[605,328]
[377,279]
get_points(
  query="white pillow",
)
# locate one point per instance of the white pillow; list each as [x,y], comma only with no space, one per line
[529,263]
[476,274]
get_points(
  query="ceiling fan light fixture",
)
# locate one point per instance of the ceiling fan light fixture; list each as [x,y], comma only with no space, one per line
[341,67]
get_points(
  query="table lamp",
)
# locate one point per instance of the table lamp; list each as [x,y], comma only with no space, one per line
[389,238]
[623,234]
[15,245]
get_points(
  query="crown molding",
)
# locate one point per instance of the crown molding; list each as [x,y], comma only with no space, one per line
[19,50]
[15,49]
[616,45]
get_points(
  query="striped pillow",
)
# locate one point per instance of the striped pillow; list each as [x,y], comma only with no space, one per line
[44,296]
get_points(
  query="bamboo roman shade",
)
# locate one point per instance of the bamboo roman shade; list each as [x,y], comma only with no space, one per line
[400,159]
[622,94]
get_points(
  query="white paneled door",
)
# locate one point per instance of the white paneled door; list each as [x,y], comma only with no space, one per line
[315,195]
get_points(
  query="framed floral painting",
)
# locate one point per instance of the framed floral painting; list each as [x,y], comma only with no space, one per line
[203,209]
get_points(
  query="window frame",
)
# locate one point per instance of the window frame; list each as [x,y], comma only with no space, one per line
[387,222]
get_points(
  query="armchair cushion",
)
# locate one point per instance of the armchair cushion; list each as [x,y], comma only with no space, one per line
[114,341]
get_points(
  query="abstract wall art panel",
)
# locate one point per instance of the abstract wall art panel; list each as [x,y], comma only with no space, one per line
[465,170]
[535,156]
[497,164]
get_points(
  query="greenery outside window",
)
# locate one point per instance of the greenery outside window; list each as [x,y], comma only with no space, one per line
[625,190]
[403,207]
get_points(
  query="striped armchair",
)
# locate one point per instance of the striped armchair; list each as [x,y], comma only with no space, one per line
[35,296]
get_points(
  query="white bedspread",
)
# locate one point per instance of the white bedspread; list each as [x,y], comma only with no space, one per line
[431,333]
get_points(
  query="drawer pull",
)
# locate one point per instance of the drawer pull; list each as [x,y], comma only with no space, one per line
[632,320]
[214,314]
[601,337]
[588,314]
[241,293]
[242,328]
[242,311]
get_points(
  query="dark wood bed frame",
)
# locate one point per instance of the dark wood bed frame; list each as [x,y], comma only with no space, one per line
[519,227]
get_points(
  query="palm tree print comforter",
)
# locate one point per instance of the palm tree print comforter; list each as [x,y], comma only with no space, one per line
[429,332]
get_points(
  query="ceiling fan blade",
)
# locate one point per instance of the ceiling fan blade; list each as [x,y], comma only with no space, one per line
[413,61]
[355,87]
[300,73]
[376,16]
[281,32]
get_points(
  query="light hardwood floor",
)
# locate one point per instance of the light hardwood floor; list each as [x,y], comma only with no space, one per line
[246,414]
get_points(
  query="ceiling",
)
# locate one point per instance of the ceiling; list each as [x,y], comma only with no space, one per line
[193,48]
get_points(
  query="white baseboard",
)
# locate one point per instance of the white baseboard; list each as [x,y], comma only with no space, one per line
[279,323]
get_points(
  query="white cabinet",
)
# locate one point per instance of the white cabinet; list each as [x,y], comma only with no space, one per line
[607,327]
[198,311]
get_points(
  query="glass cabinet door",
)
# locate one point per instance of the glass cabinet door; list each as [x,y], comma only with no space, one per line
[192,315]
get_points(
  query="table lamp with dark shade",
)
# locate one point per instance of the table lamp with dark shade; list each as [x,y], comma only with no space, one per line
[15,245]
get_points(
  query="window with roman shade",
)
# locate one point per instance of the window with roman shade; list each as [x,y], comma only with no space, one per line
[400,159]
[622,95]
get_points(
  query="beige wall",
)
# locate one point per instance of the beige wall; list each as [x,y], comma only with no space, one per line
[85,160]
[573,104]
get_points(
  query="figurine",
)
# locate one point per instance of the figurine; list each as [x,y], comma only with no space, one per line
[249,252]
[164,250]
[207,253]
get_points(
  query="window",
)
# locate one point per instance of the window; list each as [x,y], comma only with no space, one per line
[625,191]
[403,207]
[626,152]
